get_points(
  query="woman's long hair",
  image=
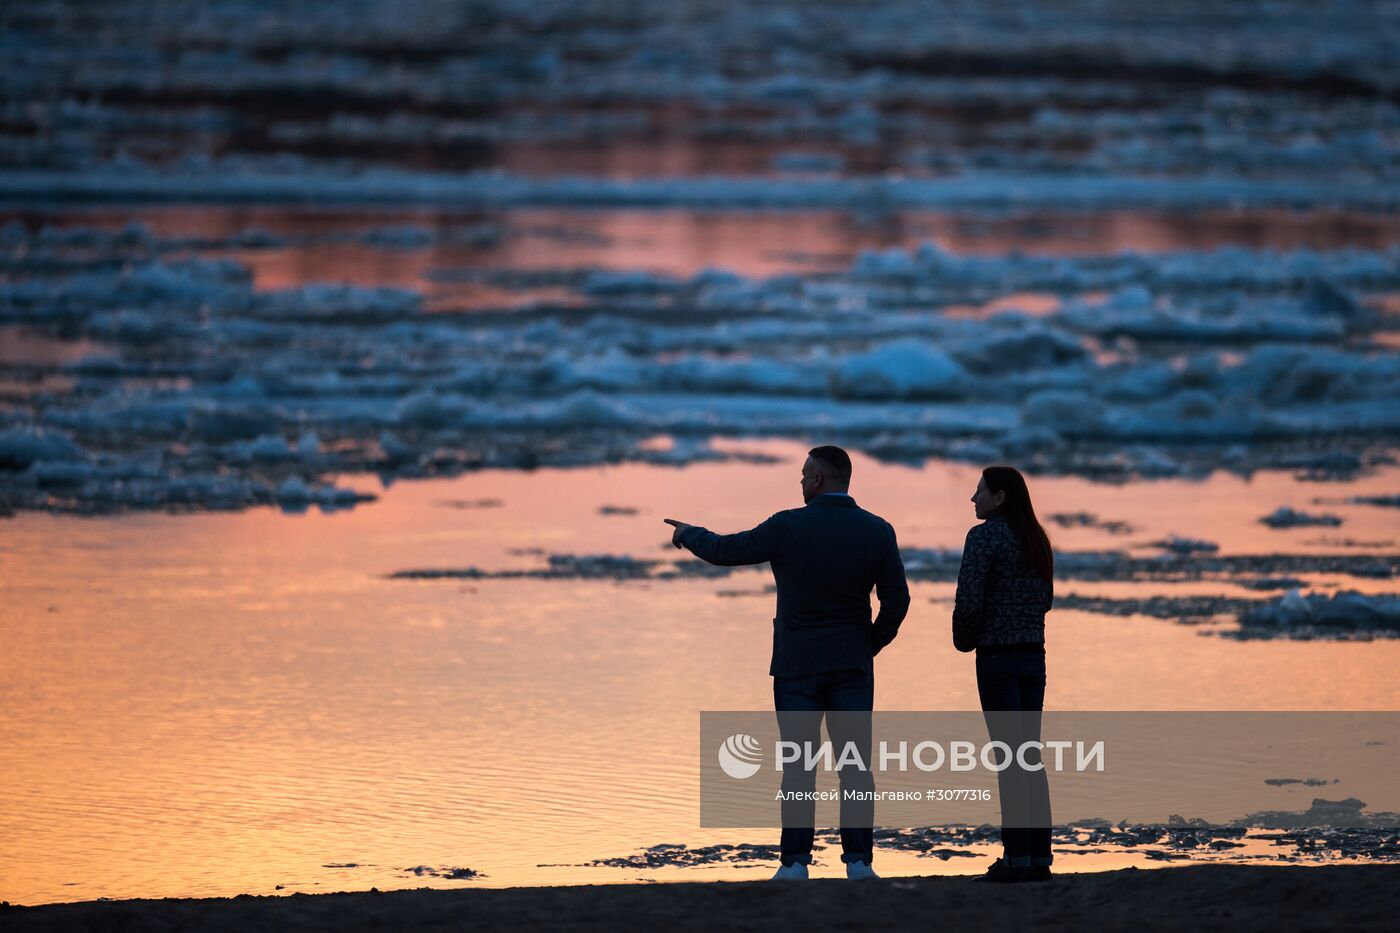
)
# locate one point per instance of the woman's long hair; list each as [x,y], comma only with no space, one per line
[1016,508]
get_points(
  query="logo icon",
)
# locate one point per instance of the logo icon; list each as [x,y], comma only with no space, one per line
[740,756]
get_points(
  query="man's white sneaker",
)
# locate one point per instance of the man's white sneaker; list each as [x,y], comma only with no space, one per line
[856,870]
[794,872]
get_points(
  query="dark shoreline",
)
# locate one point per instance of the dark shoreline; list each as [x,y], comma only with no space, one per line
[1203,897]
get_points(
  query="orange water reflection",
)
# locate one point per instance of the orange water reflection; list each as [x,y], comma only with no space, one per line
[682,242]
[24,346]
[214,704]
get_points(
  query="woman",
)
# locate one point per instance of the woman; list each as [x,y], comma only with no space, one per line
[1004,591]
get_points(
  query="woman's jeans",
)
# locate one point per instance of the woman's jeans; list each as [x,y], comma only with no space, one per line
[845,699]
[1011,680]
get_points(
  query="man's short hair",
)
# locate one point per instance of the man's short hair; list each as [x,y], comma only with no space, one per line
[833,460]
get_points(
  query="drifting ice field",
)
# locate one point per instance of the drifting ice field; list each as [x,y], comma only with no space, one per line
[379,341]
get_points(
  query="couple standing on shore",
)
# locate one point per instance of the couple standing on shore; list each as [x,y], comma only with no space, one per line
[826,559]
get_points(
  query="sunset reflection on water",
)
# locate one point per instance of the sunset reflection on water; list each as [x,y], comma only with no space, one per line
[225,703]
[682,242]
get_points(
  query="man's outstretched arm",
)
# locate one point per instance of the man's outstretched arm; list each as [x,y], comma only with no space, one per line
[893,591]
[747,547]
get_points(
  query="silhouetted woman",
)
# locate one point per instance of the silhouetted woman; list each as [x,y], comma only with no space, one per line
[1004,591]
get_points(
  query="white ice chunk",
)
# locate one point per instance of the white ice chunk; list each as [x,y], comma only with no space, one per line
[903,369]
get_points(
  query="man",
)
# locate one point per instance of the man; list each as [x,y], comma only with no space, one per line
[825,557]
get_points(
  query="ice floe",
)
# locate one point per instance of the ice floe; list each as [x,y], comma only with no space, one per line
[1347,615]
[1284,517]
[1386,501]
[1344,615]
[1089,520]
[447,872]
[1187,546]
[1175,608]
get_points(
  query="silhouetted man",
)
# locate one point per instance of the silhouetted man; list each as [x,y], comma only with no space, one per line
[826,558]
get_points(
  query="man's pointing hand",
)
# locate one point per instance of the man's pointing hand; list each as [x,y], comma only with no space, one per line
[680,528]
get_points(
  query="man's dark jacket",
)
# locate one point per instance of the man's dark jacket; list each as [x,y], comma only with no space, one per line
[826,557]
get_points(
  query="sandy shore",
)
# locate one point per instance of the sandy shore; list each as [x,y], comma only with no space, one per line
[1207,897]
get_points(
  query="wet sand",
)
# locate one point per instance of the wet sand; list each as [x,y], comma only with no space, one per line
[1216,897]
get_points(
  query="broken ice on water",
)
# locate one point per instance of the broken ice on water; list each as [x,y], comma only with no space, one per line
[209,392]
[198,388]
